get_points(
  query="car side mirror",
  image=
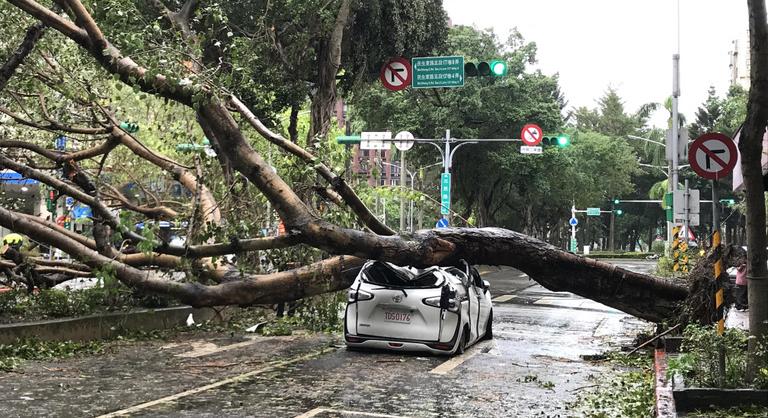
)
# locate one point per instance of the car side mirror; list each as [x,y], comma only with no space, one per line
[486,284]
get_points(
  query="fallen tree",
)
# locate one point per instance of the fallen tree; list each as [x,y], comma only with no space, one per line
[217,283]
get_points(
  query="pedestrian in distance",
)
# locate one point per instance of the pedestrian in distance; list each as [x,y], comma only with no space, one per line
[740,293]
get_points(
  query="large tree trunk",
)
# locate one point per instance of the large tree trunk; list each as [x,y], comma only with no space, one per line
[750,146]
[329,60]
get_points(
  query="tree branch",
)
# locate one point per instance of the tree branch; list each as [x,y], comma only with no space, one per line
[25,48]
[337,183]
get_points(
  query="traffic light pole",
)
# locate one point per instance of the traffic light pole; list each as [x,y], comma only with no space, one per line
[447,151]
[443,145]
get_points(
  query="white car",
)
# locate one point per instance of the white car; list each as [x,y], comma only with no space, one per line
[441,310]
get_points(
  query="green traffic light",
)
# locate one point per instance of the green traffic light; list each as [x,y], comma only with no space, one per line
[616,201]
[619,212]
[563,140]
[498,68]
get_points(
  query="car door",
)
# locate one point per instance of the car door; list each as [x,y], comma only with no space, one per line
[483,300]
[474,308]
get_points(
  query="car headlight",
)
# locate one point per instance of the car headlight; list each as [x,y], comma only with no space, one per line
[358,295]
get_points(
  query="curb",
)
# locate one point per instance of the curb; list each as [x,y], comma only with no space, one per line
[101,326]
[665,401]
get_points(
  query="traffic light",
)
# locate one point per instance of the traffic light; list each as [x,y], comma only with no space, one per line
[495,68]
[498,68]
[561,140]
[50,203]
[129,127]
[727,202]
[617,210]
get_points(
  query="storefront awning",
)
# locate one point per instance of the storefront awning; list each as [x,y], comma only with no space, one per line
[12,177]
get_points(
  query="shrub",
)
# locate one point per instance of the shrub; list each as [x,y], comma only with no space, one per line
[658,247]
[699,362]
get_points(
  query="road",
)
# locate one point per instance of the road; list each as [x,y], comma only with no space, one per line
[532,367]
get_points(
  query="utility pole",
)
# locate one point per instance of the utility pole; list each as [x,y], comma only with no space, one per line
[672,145]
[613,221]
[402,190]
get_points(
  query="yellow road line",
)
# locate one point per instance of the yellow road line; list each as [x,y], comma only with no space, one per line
[234,379]
[454,362]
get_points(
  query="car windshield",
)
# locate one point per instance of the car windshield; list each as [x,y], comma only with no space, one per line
[392,276]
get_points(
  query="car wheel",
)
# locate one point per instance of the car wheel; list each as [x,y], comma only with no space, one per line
[489,327]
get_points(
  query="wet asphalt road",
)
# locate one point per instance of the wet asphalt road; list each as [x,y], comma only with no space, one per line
[532,368]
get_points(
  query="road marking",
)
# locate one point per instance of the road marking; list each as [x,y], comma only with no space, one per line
[318,411]
[503,298]
[204,348]
[234,379]
[457,361]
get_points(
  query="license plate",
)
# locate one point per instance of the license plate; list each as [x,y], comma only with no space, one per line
[395,316]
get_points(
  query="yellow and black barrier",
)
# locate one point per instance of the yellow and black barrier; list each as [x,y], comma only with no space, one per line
[718,271]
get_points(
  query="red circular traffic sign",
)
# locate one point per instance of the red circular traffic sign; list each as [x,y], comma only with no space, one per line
[713,155]
[531,134]
[396,74]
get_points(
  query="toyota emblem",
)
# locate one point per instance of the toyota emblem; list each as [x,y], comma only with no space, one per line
[397,298]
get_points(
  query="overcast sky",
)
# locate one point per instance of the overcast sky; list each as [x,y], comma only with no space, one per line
[594,44]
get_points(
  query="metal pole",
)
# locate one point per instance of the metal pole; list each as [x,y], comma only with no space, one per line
[402,191]
[612,242]
[573,228]
[672,146]
[447,169]
[410,206]
[719,297]
[686,212]
[447,156]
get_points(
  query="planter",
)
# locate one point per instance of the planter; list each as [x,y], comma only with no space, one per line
[672,344]
[690,399]
[103,326]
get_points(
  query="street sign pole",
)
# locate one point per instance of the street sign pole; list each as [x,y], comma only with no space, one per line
[445,202]
[687,212]
[573,229]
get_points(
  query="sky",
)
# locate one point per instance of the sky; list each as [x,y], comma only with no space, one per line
[596,44]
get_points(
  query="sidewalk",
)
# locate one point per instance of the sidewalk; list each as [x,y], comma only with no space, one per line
[737,319]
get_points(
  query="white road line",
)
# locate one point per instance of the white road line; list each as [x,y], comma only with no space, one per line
[200,349]
[503,298]
[214,385]
[447,366]
[318,411]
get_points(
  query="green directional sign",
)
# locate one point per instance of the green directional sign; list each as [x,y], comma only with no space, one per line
[574,244]
[593,211]
[435,72]
[445,193]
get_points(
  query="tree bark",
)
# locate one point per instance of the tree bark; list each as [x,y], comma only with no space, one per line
[30,40]
[329,61]
[750,147]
